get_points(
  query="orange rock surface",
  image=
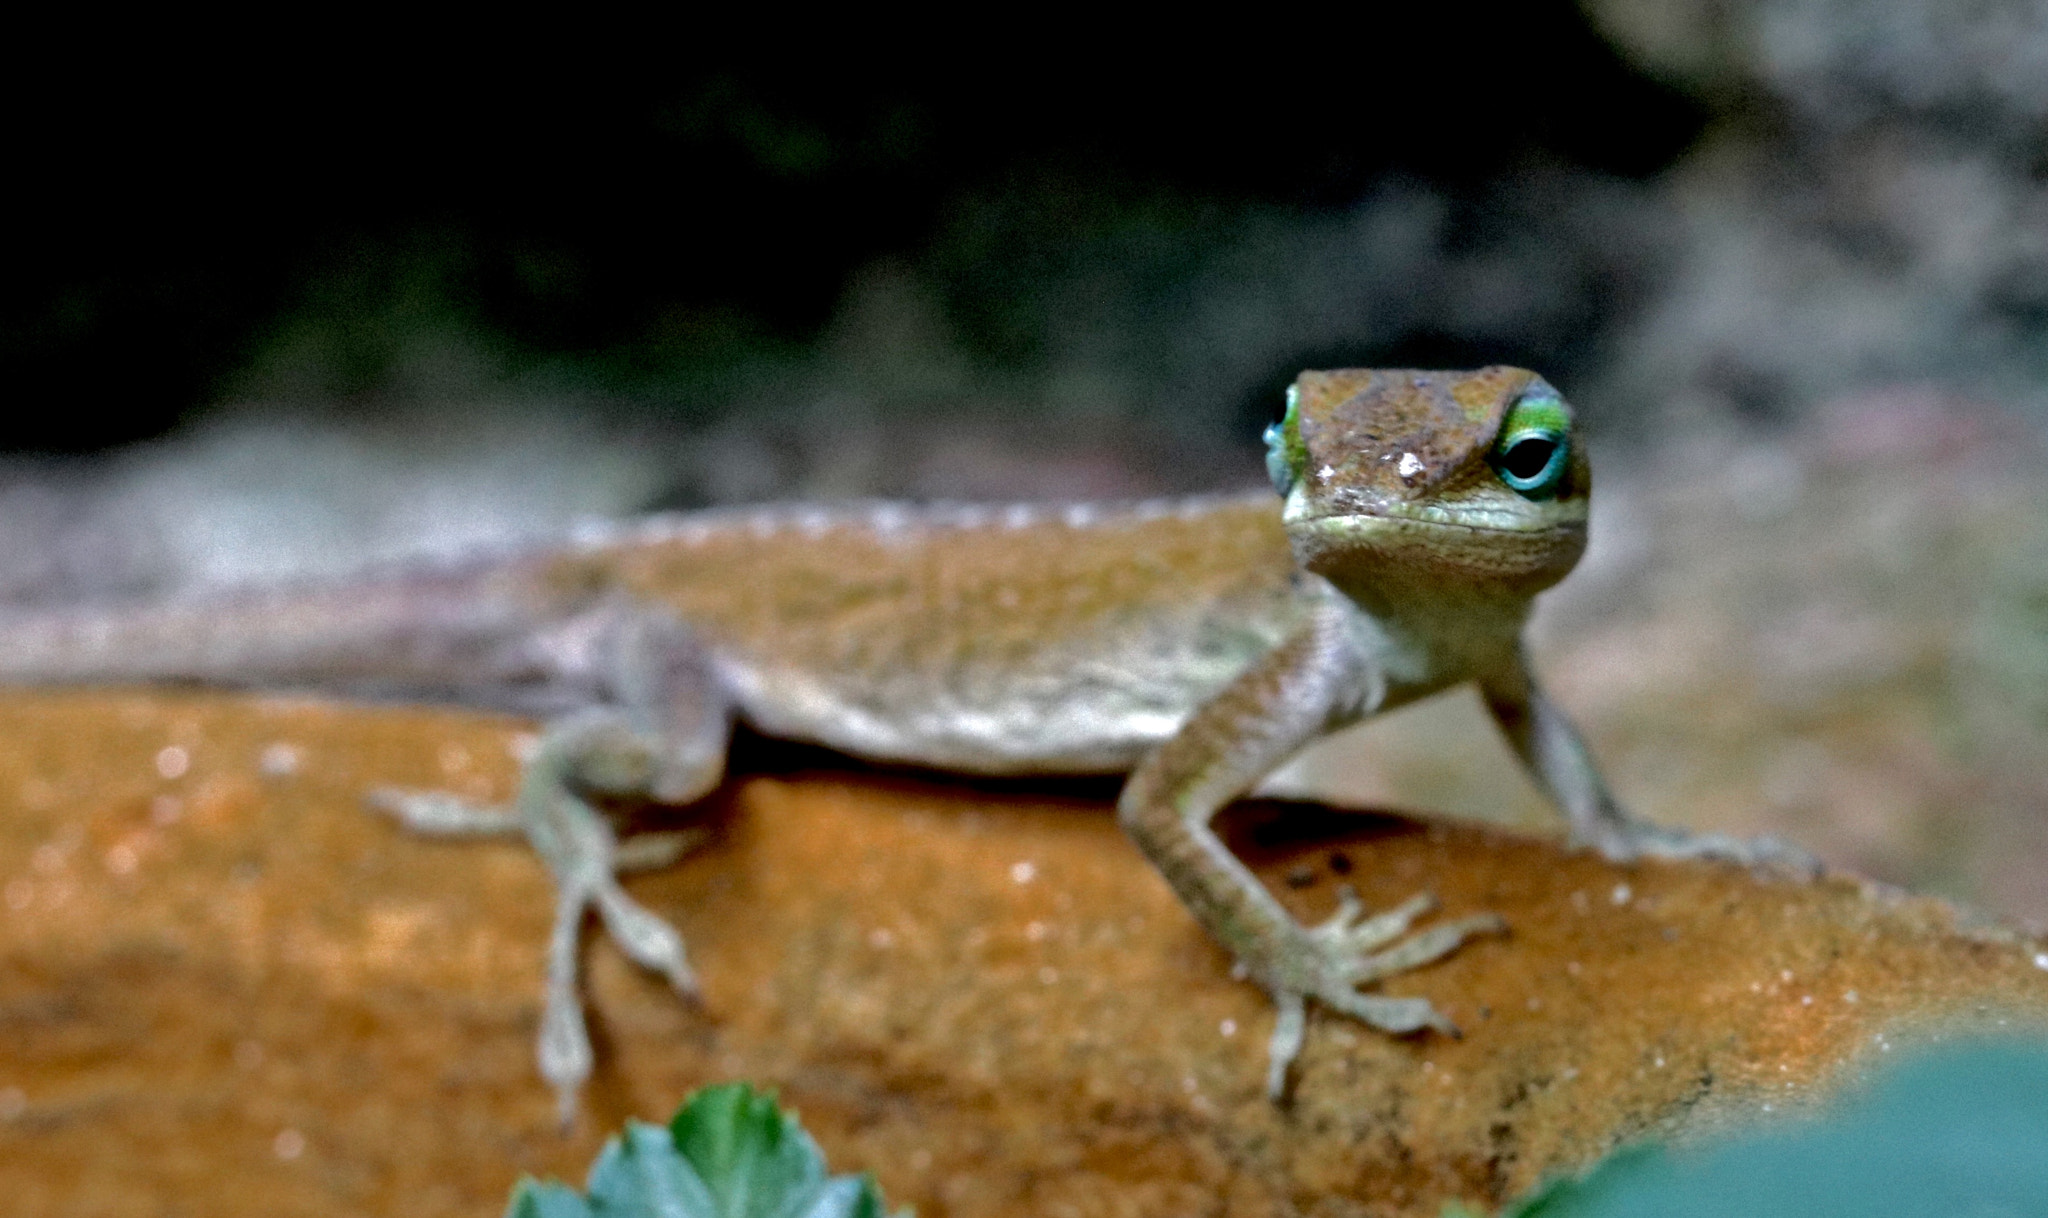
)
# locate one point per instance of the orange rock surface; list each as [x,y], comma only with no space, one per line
[225,988]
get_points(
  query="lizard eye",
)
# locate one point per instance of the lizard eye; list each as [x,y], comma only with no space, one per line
[1284,454]
[1534,450]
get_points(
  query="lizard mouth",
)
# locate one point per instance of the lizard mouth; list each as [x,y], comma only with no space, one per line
[1518,551]
[1432,518]
[1478,515]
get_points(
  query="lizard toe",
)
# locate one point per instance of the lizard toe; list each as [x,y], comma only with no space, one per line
[647,938]
[1400,1016]
[442,814]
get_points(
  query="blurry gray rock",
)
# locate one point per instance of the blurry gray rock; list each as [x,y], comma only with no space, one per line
[1870,209]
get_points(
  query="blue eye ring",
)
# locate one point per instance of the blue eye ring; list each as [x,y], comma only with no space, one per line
[1285,456]
[1533,454]
[1532,462]
[1276,460]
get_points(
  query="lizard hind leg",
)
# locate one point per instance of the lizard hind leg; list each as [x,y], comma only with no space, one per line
[659,734]
[599,750]
[655,728]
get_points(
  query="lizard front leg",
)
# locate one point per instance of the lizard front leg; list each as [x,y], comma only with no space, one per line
[1563,766]
[659,733]
[1320,677]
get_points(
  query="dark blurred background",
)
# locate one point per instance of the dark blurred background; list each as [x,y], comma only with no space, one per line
[266,316]
[642,236]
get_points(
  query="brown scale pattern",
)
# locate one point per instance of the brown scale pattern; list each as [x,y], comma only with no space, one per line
[1360,423]
[968,598]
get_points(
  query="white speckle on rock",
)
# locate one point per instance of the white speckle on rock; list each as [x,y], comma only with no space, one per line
[172,762]
[280,760]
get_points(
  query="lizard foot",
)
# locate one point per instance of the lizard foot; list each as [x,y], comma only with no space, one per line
[1334,957]
[1629,840]
[585,856]
[564,1051]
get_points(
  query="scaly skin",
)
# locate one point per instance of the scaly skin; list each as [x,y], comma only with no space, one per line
[1202,642]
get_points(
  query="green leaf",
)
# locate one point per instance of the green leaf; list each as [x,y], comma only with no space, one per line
[533,1199]
[753,1157]
[729,1153]
[641,1175]
[839,1197]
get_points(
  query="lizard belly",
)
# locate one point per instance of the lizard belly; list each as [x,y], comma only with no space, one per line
[1094,715]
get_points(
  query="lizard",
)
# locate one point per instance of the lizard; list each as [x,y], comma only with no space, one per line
[1195,643]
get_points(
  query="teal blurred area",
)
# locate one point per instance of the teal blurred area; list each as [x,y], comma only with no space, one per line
[1961,1132]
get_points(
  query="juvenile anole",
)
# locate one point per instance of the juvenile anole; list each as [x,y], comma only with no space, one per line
[1197,643]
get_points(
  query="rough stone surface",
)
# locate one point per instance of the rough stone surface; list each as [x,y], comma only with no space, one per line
[226,989]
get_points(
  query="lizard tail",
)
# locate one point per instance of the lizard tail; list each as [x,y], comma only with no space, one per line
[410,629]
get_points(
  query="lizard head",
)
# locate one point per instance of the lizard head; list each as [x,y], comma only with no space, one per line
[1446,476]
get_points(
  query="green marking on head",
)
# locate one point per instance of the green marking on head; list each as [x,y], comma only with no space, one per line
[1286,455]
[1533,453]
